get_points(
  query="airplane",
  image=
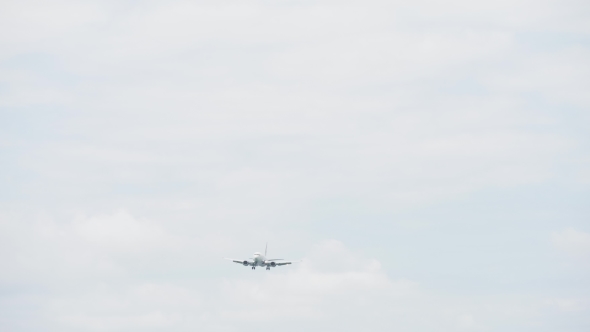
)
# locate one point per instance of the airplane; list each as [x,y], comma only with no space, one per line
[260,260]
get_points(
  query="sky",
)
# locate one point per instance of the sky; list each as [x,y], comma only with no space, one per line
[427,161]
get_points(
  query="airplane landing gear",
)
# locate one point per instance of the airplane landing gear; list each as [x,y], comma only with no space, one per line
[268,268]
[253,267]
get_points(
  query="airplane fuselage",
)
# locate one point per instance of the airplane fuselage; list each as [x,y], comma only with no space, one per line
[259,259]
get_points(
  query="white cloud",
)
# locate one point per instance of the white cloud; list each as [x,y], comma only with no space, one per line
[572,241]
[96,288]
[465,321]
[120,231]
[143,305]
[568,304]
[203,105]
[45,251]
[220,125]
[329,285]
[330,282]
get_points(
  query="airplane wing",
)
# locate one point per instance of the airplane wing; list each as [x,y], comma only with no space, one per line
[241,261]
[280,263]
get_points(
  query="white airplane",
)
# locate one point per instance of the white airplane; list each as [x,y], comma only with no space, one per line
[260,260]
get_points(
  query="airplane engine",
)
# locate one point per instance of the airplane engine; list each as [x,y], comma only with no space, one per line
[245,263]
[273,264]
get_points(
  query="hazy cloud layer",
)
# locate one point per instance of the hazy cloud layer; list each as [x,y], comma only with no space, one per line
[428,161]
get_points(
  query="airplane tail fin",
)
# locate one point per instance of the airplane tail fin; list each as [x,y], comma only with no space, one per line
[265,248]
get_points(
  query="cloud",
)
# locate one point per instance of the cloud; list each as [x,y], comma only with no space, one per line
[206,80]
[99,282]
[572,241]
[331,284]
[45,250]
[570,304]
[222,124]
[115,307]
[120,231]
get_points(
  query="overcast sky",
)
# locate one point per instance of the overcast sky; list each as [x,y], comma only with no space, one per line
[429,161]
